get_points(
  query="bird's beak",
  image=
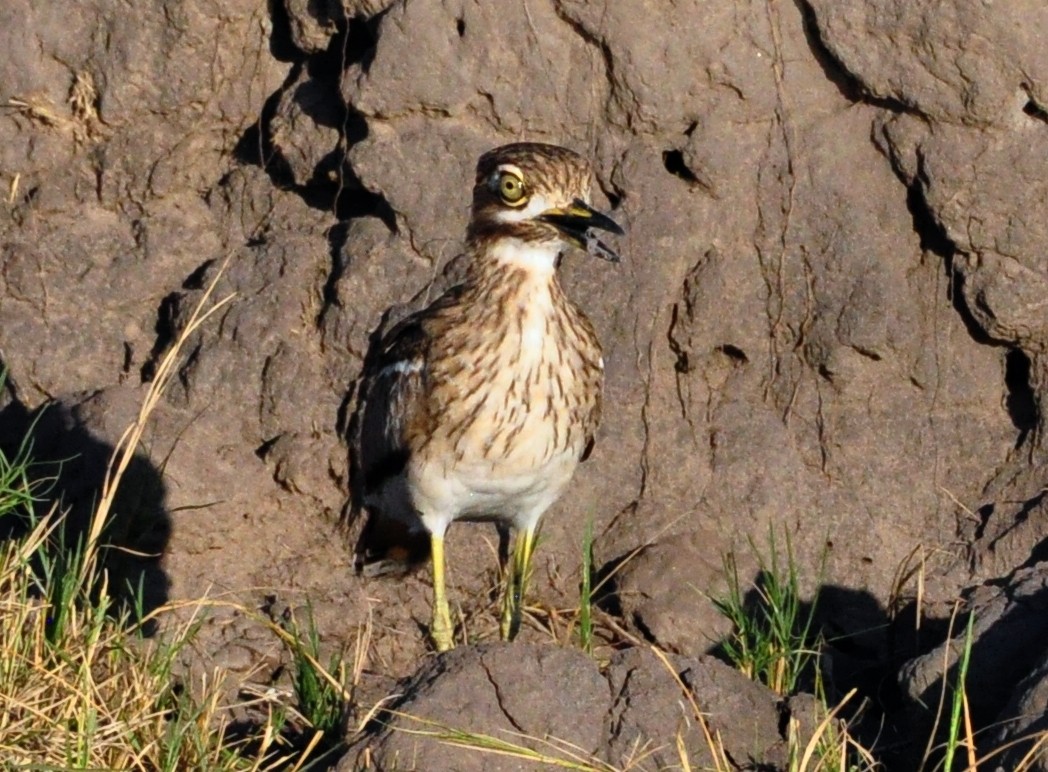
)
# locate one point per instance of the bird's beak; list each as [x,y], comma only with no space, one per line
[577,223]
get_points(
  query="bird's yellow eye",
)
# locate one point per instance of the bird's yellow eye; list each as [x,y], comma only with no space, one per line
[511,188]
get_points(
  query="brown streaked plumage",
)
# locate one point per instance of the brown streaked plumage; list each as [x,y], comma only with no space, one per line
[480,406]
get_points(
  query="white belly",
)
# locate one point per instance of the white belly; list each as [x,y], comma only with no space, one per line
[480,491]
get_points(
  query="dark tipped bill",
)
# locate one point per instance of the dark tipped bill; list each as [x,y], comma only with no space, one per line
[578,223]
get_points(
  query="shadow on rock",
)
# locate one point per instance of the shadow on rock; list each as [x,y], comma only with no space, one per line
[855,644]
[68,467]
[1007,675]
[305,126]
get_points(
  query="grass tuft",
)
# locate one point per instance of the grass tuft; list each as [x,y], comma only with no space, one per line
[81,684]
[20,491]
[321,704]
[770,639]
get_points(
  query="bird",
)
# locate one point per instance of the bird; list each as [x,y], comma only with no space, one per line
[480,406]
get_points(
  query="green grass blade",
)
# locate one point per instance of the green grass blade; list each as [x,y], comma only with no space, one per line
[586,591]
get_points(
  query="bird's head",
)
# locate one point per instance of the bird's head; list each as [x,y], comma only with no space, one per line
[530,200]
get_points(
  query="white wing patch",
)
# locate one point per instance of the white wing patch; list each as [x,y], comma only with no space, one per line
[402,367]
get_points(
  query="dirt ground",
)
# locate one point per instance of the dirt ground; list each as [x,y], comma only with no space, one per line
[830,324]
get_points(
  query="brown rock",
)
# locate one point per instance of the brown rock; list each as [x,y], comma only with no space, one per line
[829,322]
[538,697]
[954,62]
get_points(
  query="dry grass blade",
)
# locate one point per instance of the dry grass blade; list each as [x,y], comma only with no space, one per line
[37,109]
[713,740]
[821,731]
[682,753]
[1037,752]
[913,565]
[569,756]
[290,639]
[930,747]
[128,443]
[969,732]
[87,690]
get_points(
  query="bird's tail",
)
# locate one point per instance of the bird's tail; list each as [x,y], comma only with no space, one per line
[390,546]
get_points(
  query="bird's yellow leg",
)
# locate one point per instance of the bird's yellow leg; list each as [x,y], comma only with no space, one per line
[517,584]
[508,582]
[440,629]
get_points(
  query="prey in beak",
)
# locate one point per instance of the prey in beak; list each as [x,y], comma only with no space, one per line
[578,222]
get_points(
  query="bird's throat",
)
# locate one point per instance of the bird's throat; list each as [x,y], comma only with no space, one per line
[537,259]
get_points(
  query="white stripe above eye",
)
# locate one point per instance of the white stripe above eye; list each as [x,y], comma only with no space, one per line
[536,205]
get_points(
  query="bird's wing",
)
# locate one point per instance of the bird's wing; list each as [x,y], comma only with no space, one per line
[390,400]
[592,422]
[390,392]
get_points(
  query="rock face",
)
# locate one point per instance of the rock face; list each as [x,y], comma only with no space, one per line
[830,325]
[1006,673]
[555,703]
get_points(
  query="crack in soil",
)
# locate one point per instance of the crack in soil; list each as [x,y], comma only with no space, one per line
[498,698]
[619,705]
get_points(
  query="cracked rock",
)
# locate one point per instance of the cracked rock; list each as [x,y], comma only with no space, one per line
[557,702]
[539,697]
